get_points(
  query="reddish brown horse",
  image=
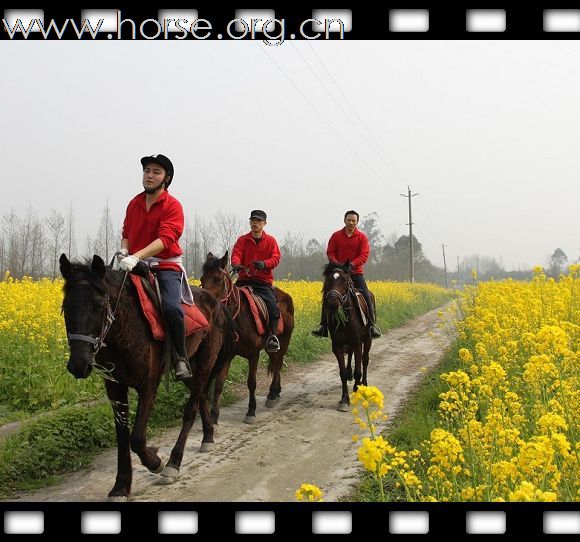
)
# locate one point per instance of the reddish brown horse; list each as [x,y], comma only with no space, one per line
[349,334]
[217,280]
[102,305]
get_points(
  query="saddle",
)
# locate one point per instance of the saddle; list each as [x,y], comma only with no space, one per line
[259,311]
[193,318]
[362,307]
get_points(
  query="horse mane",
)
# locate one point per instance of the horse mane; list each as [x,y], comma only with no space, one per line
[211,264]
[81,271]
[328,268]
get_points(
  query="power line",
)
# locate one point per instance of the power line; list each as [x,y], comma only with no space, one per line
[387,160]
[340,106]
[323,117]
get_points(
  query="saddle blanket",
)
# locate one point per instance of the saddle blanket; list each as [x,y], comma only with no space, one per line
[259,311]
[193,318]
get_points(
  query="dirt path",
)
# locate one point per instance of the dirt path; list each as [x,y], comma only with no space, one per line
[303,439]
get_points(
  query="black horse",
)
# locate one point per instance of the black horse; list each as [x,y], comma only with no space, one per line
[101,306]
[349,334]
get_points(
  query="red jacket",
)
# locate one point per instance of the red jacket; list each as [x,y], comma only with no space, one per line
[164,221]
[246,251]
[355,249]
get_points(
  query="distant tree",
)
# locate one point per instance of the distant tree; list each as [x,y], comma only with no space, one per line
[557,260]
[229,228]
[70,241]
[313,247]
[106,242]
[369,225]
[55,225]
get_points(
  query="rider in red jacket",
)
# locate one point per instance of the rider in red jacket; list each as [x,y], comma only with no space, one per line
[351,245]
[254,256]
[151,230]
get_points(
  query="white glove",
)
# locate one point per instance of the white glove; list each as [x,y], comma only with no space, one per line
[123,253]
[128,263]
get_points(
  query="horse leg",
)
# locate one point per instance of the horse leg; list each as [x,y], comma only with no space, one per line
[252,373]
[196,386]
[207,423]
[118,398]
[365,358]
[357,366]
[148,454]
[349,366]
[275,366]
[217,391]
[344,401]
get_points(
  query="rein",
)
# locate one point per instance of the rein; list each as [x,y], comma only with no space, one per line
[108,319]
[233,293]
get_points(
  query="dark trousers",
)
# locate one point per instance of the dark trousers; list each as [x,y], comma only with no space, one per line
[266,292]
[360,284]
[170,287]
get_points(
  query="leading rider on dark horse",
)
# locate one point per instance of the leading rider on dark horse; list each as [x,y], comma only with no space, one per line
[350,245]
[151,230]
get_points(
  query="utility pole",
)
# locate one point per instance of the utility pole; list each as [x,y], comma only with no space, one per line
[444,265]
[458,276]
[411,258]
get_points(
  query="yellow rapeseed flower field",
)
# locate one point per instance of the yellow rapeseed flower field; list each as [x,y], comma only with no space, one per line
[34,350]
[508,424]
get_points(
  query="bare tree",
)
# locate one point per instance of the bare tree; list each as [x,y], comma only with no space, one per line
[70,236]
[55,225]
[38,252]
[229,228]
[105,241]
[10,227]
[207,236]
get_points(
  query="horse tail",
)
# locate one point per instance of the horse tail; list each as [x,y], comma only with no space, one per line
[228,344]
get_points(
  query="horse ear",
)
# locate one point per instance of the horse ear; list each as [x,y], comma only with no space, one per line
[224,260]
[346,266]
[98,266]
[209,256]
[65,266]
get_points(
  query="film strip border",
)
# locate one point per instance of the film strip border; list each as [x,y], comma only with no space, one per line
[299,519]
[360,23]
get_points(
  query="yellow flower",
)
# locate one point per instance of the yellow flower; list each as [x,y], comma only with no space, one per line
[309,493]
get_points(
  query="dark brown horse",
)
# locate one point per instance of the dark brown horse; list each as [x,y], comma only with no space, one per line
[101,306]
[217,280]
[349,334]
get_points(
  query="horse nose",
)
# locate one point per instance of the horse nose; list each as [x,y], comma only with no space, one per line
[78,368]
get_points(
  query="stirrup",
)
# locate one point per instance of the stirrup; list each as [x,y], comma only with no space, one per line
[272,344]
[182,369]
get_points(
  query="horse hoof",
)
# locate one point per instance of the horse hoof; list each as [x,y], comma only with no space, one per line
[207,446]
[271,403]
[160,468]
[250,419]
[171,473]
[118,499]
[342,407]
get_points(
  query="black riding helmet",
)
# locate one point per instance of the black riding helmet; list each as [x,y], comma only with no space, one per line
[163,161]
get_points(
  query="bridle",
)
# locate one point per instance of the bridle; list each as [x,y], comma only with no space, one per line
[231,292]
[334,293]
[108,319]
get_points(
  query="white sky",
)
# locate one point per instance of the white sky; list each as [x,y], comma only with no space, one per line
[487,132]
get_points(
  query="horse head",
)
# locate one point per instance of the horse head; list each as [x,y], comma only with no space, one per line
[337,284]
[87,312]
[214,276]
